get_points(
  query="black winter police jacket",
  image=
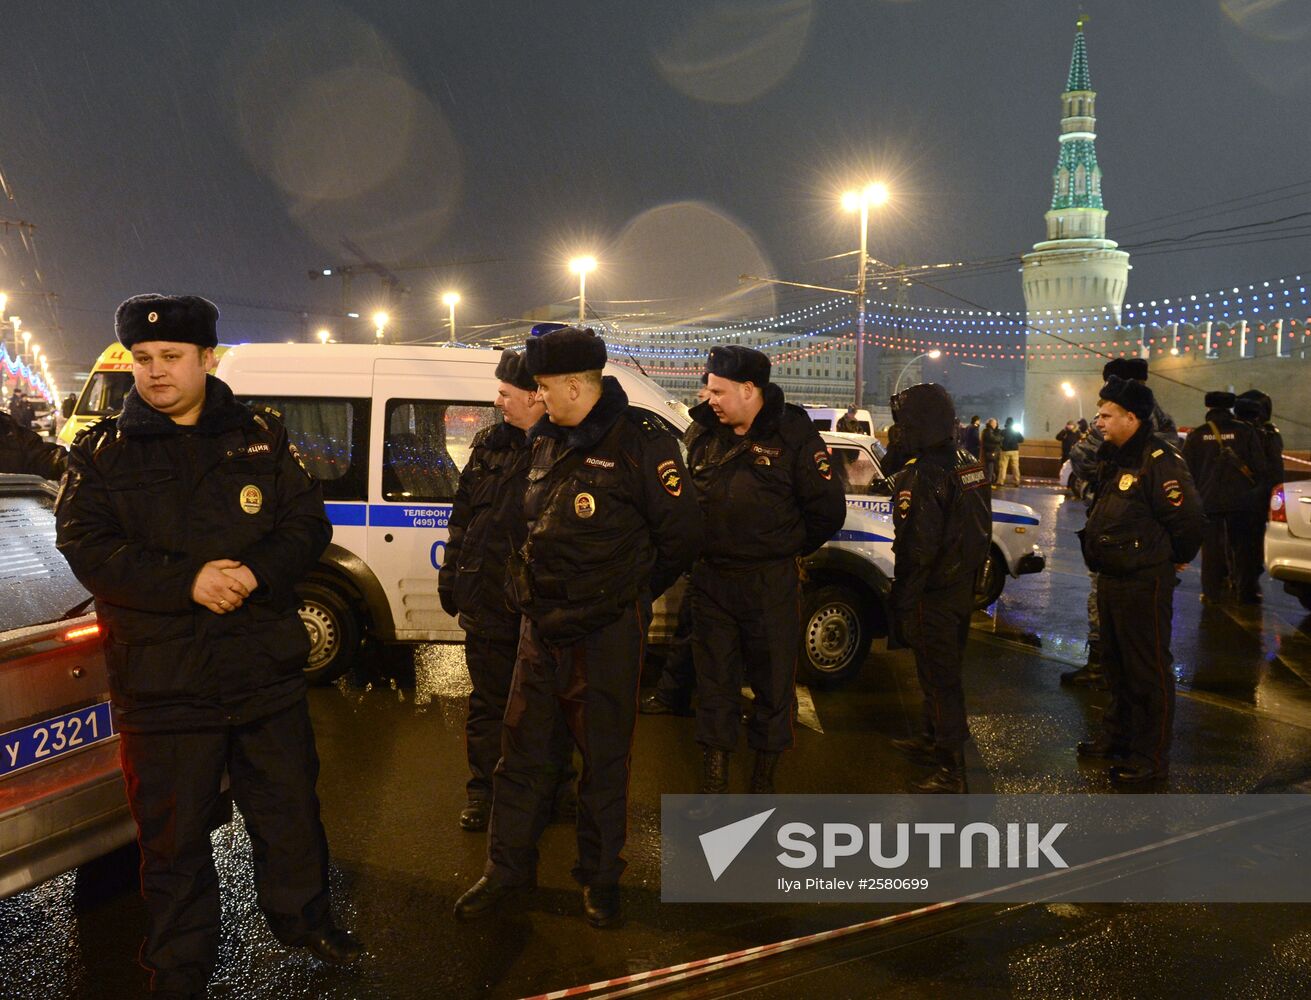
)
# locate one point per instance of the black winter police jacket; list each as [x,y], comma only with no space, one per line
[1219,473]
[611,518]
[145,504]
[767,494]
[1146,516]
[23,451]
[487,523]
[942,524]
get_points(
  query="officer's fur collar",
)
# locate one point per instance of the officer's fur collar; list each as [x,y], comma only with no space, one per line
[221,412]
[609,408]
[503,435]
[766,422]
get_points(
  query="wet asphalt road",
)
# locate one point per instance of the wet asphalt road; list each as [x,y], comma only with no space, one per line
[392,786]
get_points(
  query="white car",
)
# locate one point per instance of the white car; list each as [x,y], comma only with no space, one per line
[1288,539]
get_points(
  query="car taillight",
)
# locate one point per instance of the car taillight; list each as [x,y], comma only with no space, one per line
[84,632]
[1277,512]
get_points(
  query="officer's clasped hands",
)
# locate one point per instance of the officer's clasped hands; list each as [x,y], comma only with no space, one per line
[222,585]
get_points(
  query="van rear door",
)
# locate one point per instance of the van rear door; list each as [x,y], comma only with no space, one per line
[424,422]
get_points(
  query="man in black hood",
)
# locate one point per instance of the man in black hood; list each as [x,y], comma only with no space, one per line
[1227,459]
[942,522]
[1256,408]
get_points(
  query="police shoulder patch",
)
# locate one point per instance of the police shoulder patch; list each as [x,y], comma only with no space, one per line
[1158,453]
[667,473]
[903,502]
[823,464]
[1174,493]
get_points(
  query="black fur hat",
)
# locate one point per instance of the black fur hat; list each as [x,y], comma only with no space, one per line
[511,368]
[1134,368]
[1130,394]
[565,351]
[1220,400]
[1267,404]
[738,364]
[1251,410]
[180,319]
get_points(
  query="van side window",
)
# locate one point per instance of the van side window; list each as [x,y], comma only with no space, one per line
[856,469]
[425,445]
[104,394]
[332,437]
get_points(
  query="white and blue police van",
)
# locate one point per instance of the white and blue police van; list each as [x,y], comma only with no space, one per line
[387,430]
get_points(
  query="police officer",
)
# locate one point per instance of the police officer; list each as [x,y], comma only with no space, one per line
[1227,460]
[1255,407]
[1084,461]
[487,523]
[190,519]
[769,496]
[1145,523]
[23,451]
[612,523]
[942,520]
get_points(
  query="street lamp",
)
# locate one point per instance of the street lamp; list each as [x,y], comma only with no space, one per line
[582,266]
[324,334]
[1071,394]
[380,320]
[932,355]
[873,194]
[18,322]
[451,300]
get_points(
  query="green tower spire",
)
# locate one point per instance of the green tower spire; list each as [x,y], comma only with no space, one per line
[1077,180]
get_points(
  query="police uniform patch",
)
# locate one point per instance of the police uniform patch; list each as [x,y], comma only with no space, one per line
[299,461]
[1126,481]
[903,501]
[152,317]
[667,472]
[823,465]
[1174,493]
[252,500]
[972,477]
[584,505]
[599,463]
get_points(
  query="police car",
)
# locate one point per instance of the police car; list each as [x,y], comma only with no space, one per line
[387,429]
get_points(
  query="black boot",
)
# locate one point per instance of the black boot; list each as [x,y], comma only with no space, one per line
[1090,675]
[949,778]
[475,816]
[918,748]
[762,776]
[714,781]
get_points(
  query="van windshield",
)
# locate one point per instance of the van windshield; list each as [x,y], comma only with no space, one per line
[104,394]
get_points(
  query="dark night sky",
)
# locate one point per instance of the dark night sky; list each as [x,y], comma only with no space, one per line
[226,148]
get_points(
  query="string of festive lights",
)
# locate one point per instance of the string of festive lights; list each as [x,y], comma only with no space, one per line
[17,368]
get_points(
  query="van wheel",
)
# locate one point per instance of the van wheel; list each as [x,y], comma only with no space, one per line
[334,630]
[988,584]
[835,635]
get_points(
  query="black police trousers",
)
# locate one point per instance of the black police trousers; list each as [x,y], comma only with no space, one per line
[490,660]
[1232,554]
[746,624]
[586,691]
[937,628]
[677,673]
[1136,658]
[174,786]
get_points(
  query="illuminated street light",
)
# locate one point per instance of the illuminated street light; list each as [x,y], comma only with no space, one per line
[582,266]
[324,335]
[380,321]
[874,194]
[1070,394]
[932,355]
[451,299]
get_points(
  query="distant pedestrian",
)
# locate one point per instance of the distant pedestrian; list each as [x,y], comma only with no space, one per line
[974,437]
[1067,436]
[1145,524]
[1011,439]
[992,440]
[848,421]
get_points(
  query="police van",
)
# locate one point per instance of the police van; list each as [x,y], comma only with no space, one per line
[387,430]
